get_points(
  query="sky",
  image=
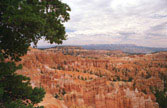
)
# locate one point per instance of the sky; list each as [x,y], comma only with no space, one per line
[139,22]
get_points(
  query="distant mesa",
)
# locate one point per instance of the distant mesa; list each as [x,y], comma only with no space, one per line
[126,48]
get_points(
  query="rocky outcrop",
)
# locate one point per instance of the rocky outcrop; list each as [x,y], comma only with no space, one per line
[98,94]
[104,82]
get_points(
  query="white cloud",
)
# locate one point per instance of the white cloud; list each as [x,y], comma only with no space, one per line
[118,21]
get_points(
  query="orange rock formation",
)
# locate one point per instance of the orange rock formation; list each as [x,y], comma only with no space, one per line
[107,81]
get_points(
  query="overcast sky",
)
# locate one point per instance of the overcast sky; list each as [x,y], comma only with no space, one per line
[140,22]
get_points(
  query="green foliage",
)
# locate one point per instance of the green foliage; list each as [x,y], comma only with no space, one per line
[161,95]
[37,95]
[16,89]
[148,75]
[56,96]
[59,67]
[114,79]
[82,78]
[134,84]
[63,92]
[130,79]
[23,22]
[60,94]
[144,91]
[65,62]
[118,78]
[161,98]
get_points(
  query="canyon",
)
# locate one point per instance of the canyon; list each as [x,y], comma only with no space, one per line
[74,77]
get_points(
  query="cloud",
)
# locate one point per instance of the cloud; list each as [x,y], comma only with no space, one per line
[159,31]
[140,22]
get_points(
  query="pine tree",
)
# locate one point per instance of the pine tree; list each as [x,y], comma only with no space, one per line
[23,22]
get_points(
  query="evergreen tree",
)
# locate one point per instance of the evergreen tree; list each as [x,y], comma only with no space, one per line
[161,98]
[23,22]
[161,95]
